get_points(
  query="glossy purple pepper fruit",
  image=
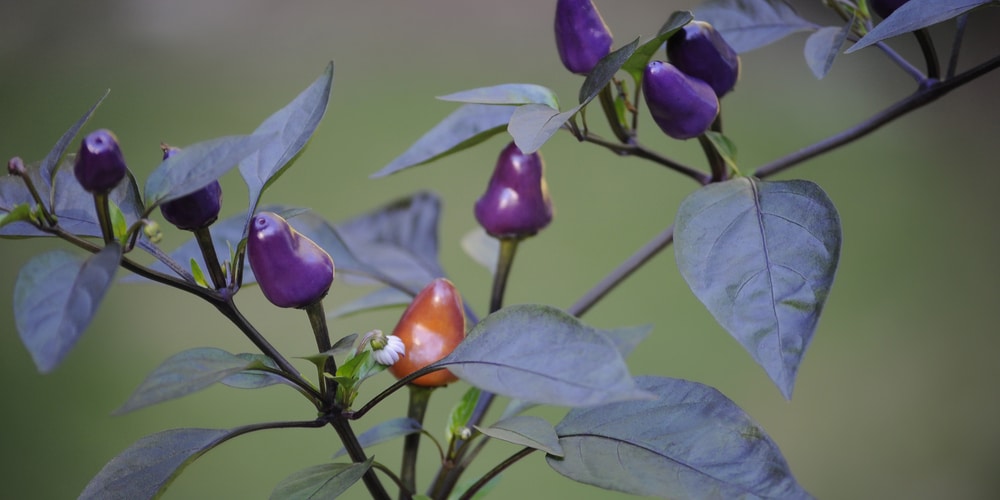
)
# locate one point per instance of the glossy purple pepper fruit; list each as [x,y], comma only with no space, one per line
[195,210]
[516,203]
[582,38]
[699,51]
[291,270]
[99,165]
[886,7]
[683,106]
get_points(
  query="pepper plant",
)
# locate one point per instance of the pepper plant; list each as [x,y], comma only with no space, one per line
[760,254]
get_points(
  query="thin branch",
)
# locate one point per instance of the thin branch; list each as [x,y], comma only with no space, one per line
[956,44]
[637,150]
[483,481]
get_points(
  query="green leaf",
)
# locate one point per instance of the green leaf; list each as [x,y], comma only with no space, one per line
[460,414]
[636,63]
[690,442]
[197,165]
[543,355]
[287,132]
[506,93]
[118,224]
[19,213]
[750,24]
[55,298]
[914,15]
[147,468]
[55,156]
[185,373]
[724,146]
[533,432]
[320,481]
[605,70]
[255,378]
[379,299]
[199,276]
[467,126]
[482,248]
[823,46]
[385,431]
[761,256]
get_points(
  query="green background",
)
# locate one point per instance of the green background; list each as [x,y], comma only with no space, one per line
[896,398]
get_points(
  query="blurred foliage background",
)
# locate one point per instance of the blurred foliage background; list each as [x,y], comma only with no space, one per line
[897,396]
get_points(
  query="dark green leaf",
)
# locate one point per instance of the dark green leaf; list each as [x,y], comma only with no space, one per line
[458,419]
[605,70]
[398,240]
[379,299]
[750,24]
[255,378]
[55,298]
[541,354]
[506,93]
[914,15]
[148,467]
[467,126]
[185,373]
[823,46]
[320,481]
[533,432]
[197,165]
[636,64]
[691,442]
[385,431]
[286,132]
[761,256]
[54,158]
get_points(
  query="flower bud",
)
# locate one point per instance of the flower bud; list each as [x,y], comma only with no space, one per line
[15,166]
[886,7]
[99,165]
[291,270]
[516,202]
[195,210]
[683,106]
[699,51]
[582,38]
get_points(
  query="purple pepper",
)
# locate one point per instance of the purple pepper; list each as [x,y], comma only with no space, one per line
[99,165]
[195,210]
[291,270]
[683,106]
[516,203]
[582,38]
[886,7]
[699,51]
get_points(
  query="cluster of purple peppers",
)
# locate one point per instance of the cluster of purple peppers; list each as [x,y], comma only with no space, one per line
[682,94]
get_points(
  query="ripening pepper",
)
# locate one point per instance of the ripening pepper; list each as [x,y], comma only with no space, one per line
[99,165]
[699,51]
[582,37]
[291,269]
[430,328]
[886,7]
[195,210]
[516,203]
[682,106]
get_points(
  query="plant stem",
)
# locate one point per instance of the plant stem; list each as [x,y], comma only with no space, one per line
[317,320]
[607,99]
[203,236]
[104,216]
[923,96]
[930,55]
[483,481]
[956,44]
[357,454]
[419,397]
[505,259]
[637,150]
[624,270]
[901,62]
[30,184]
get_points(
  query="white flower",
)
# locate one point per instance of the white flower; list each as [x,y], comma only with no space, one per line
[389,351]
